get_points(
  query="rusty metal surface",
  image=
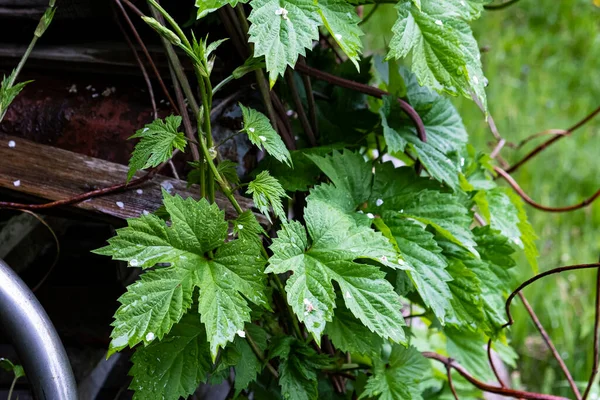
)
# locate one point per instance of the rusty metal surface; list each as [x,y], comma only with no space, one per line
[93,117]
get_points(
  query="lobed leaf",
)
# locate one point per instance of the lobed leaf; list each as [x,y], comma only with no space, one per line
[227,279]
[267,192]
[341,20]
[173,367]
[261,134]
[282,30]
[336,241]
[158,140]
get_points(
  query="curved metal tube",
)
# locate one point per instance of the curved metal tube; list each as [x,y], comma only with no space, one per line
[35,339]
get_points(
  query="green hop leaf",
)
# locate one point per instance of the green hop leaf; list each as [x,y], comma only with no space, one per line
[341,20]
[281,30]
[399,378]
[261,134]
[158,140]
[233,275]
[336,242]
[298,368]
[173,367]
[441,45]
[205,7]
[267,192]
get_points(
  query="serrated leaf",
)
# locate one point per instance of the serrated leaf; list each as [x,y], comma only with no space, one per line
[443,124]
[298,368]
[466,305]
[236,271]
[267,193]
[399,378]
[464,9]
[441,56]
[175,366]
[281,30]
[205,7]
[261,134]
[341,20]
[151,307]
[248,366]
[395,142]
[394,187]
[438,165]
[348,334]
[492,271]
[528,236]
[304,173]
[247,227]
[336,241]
[9,91]
[399,190]
[158,140]
[420,251]
[228,169]
[470,48]
[349,171]
[503,215]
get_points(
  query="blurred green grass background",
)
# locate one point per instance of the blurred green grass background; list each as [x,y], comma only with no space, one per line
[543,66]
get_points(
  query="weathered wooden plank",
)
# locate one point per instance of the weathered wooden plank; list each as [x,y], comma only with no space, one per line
[56,174]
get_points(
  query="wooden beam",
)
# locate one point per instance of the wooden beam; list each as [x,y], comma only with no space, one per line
[55,174]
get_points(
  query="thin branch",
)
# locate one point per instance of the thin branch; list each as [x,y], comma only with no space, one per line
[346,375]
[550,345]
[187,123]
[504,174]
[232,32]
[56,254]
[486,387]
[335,379]
[366,89]
[553,132]
[133,8]
[145,75]
[310,99]
[140,64]
[547,143]
[495,7]
[411,316]
[289,77]
[259,354]
[596,339]
[493,365]
[536,278]
[285,127]
[145,51]
[497,149]
[450,383]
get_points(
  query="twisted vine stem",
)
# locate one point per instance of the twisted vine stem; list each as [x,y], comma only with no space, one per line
[506,176]
[519,394]
[553,140]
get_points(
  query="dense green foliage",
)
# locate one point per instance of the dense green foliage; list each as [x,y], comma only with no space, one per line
[374,244]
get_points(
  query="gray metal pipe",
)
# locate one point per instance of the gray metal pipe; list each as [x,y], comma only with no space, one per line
[35,339]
